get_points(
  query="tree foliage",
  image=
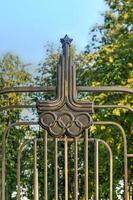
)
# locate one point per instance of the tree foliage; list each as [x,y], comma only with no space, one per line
[12,74]
[106,61]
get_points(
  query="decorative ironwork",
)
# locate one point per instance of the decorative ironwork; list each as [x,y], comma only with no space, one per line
[65,115]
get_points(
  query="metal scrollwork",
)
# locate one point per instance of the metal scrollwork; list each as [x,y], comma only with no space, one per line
[65,115]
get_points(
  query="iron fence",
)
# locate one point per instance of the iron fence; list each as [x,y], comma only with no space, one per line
[66,120]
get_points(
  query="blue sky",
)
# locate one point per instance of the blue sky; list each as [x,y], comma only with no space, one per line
[27,25]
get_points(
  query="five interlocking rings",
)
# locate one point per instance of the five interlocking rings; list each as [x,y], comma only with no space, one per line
[68,123]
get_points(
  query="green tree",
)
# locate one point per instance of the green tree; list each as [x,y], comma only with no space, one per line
[13,73]
[107,60]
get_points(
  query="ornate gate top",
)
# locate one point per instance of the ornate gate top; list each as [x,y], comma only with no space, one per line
[65,115]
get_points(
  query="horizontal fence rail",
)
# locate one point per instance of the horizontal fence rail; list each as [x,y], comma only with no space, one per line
[79,88]
[7,131]
[86,167]
[126,155]
[65,124]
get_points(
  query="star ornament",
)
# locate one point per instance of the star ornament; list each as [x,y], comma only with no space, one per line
[66,40]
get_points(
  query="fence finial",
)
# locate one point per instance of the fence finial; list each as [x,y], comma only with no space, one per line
[66,40]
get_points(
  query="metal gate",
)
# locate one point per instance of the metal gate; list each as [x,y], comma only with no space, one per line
[68,147]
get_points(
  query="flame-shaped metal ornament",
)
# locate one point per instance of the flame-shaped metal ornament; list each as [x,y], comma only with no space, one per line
[65,115]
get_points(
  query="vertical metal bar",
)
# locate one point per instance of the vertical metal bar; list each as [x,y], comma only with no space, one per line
[20,149]
[18,177]
[126,189]
[4,136]
[45,167]
[3,165]
[111,176]
[56,168]
[66,167]
[35,171]
[86,164]
[76,168]
[111,168]
[96,170]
